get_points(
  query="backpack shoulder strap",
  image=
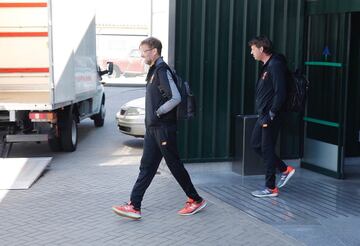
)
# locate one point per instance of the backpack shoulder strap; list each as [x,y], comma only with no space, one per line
[157,68]
[172,71]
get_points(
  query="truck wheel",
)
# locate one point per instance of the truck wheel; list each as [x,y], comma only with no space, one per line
[69,133]
[99,118]
[54,142]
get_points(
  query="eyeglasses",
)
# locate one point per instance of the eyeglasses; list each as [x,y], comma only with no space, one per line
[143,51]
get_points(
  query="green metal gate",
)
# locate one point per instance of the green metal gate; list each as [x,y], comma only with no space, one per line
[211,51]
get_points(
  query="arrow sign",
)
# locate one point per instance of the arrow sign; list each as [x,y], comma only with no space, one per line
[326,52]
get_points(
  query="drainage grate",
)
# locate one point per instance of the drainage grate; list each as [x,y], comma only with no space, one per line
[300,202]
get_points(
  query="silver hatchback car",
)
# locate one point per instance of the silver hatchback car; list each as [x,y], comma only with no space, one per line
[131,118]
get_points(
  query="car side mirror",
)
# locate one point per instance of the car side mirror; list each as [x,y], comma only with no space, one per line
[110,68]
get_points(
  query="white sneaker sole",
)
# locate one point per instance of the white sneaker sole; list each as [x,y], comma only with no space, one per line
[127,215]
[264,196]
[287,178]
[196,210]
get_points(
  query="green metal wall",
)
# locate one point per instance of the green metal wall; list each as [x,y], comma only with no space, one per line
[353,100]
[211,51]
[331,6]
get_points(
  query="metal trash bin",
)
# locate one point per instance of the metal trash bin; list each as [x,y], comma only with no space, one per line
[246,162]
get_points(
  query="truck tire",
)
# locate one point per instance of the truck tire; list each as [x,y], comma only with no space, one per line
[54,141]
[69,133]
[99,118]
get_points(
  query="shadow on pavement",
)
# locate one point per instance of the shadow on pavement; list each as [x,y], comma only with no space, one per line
[135,143]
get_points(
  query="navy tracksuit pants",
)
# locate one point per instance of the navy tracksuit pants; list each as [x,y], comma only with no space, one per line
[161,142]
[263,141]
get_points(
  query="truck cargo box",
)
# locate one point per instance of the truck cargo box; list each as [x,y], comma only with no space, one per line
[48,54]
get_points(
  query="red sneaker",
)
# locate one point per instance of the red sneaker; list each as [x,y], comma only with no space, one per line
[128,211]
[191,207]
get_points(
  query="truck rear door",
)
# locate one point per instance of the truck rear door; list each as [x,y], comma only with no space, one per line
[24,48]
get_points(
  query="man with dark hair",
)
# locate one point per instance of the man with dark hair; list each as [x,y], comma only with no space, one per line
[270,97]
[162,97]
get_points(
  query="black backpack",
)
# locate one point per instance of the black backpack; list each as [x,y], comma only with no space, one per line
[296,92]
[186,109]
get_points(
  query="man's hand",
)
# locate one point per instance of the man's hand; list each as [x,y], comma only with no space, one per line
[267,119]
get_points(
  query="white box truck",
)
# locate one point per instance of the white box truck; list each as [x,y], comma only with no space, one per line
[49,79]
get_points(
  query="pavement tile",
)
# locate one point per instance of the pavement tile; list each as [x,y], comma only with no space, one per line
[71,205]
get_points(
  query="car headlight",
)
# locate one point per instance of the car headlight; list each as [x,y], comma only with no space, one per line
[135,111]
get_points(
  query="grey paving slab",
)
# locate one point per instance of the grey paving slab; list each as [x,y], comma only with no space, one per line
[71,205]
[315,209]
